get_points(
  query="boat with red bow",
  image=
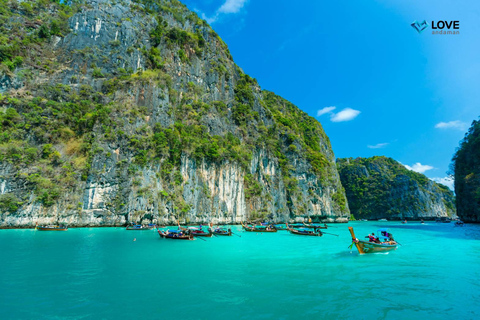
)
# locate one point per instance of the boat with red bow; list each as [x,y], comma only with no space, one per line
[197,231]
[384,242]
[175,235]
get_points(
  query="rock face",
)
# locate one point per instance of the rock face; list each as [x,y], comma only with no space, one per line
[381,187]
[466,166]
[135,112]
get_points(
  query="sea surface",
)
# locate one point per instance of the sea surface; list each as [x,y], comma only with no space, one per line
[101,273]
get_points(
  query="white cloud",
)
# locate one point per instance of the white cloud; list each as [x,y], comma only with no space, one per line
[418,167]
[378,145]
[447,181]
[229,6]
[346,114]
[457,124]
[232,6]
[325,110]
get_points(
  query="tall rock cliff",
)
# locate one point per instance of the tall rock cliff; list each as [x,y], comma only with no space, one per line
[134,111]
[381,187]
[466,166]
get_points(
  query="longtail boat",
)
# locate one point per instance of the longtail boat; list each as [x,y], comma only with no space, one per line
[197,232]
[280,227]
[305,232]
[315,226]
[372,247]
[258,228]
[200,233]
[140,227]
[175,235]
[51,228]
[222,232]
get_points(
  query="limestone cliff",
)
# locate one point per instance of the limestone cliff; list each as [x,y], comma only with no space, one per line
[466,167]
[381,187]
[121,111]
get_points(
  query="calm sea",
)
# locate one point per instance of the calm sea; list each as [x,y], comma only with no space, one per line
[101,273]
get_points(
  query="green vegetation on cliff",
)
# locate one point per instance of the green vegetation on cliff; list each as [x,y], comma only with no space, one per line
[98,94]
[380,187]
[466,167]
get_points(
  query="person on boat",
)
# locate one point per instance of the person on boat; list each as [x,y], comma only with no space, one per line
[371,237]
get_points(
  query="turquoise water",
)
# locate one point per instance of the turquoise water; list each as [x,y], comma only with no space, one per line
[101,273]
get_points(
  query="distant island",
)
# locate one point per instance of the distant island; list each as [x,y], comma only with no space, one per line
[382,188]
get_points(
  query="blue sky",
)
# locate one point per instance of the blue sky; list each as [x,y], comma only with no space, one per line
[376,85]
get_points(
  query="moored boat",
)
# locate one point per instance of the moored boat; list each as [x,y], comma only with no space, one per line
[197,232]
[315,226]
[385,243]
[200,233]
[306,232]
[382,220]
[140,227]
[175,235]
[222,232]
[258,228]
[51,228]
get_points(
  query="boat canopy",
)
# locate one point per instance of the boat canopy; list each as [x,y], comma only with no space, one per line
[383,234]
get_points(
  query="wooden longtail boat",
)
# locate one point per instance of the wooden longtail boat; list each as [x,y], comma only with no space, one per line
[222,232]
[372,247]
[197,232]
[280,227]
[315,226]
[140,227]
[201,233]
[175,235]
[258,228]
[51,228]
[305,232]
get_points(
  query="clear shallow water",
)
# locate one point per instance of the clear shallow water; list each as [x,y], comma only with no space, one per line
[100,273]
